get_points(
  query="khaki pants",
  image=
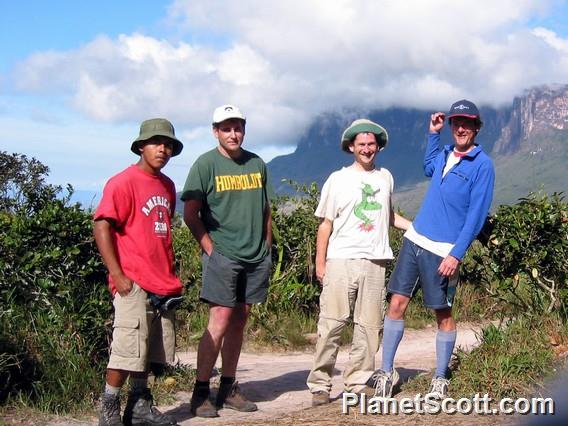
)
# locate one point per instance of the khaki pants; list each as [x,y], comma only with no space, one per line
[350,286]
[140,335]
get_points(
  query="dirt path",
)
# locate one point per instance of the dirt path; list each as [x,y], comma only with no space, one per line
[277,381]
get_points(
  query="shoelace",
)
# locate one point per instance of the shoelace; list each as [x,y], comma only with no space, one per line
[381,381]
[235,389]
[438,386]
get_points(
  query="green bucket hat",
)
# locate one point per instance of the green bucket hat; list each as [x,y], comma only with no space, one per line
[157,127]
[363,125]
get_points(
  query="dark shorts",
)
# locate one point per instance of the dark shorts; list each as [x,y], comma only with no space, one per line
[227,282]
[417,267]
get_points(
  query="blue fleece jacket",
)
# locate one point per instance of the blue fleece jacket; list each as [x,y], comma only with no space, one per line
[456,205]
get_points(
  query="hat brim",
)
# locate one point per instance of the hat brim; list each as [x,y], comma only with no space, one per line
[177,145]
[216,123]
[351,132]
[463,115]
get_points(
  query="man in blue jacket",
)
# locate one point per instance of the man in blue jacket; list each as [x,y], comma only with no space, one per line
[452,214]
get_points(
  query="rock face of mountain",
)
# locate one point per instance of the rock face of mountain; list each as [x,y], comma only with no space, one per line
[532,130]
[536,118]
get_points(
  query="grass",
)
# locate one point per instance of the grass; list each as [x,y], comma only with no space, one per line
[165,383]
[510,360]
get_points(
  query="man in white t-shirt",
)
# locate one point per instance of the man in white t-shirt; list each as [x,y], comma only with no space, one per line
[351,254]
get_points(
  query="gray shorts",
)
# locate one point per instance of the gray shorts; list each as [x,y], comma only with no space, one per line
[227,282]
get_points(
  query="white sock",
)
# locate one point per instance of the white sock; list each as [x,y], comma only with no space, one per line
[111,390]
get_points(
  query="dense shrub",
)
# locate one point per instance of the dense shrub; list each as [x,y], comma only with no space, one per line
[526,261]
[293,284]
[54,322]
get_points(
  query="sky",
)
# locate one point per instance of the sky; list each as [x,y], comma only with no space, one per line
[78,78]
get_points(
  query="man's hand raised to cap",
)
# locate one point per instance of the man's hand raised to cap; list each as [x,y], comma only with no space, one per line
[437,122]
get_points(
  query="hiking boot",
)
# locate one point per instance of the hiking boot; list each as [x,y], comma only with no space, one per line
[200,404]
[109,414]
[320,398]
[439,387]
[383,383]
[140,410]
[230,396]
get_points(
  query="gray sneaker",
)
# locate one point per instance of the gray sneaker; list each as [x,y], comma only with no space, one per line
[383,382]
[109,414]
[439,387]
[140,410]
[230,396]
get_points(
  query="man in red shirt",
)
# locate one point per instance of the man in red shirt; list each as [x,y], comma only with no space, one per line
[133,234]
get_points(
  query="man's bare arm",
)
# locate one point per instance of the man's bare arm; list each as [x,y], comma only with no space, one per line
[195,224]
[398,221]
[268,225]
[102,231]
[324,231]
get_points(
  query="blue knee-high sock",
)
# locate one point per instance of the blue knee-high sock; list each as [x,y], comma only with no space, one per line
[392,335]
[445,341]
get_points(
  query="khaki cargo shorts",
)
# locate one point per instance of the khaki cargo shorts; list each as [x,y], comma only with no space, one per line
[141,334]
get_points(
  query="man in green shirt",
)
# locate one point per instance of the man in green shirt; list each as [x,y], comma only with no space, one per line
[228,212]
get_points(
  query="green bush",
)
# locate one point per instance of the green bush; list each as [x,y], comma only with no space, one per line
[55,321]
[526,261]
[293,284]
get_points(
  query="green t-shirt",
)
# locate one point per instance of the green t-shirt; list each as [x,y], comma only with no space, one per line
[234,195]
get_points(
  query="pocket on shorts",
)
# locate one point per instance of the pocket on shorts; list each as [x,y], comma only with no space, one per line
[133,291]
[205,258]
[126,338]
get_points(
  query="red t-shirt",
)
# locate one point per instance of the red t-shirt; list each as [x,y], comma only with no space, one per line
[141,206]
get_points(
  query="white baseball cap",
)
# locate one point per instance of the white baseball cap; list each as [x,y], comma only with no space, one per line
[225,112]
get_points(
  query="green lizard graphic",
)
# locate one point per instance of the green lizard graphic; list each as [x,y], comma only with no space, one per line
[367,203]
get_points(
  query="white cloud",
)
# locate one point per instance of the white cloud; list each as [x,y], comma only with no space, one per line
[552,39]
[285,62]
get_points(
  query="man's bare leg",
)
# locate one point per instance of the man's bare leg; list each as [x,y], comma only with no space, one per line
[233,341]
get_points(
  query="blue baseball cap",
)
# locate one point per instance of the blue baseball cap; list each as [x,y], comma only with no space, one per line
[464,108]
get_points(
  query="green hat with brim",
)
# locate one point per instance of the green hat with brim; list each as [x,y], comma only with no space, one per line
[364,126]
[157,127]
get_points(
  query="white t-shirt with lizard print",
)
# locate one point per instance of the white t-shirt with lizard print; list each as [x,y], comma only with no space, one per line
[358,203]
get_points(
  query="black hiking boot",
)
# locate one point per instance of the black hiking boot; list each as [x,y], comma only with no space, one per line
[140,410]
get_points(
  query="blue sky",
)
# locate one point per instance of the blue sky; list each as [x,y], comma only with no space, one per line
[77,78]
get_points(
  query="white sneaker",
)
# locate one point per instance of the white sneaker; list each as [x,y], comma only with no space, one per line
[439,387]
[383,382]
